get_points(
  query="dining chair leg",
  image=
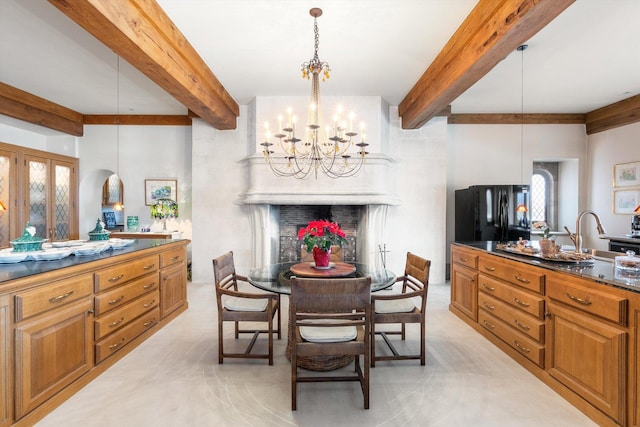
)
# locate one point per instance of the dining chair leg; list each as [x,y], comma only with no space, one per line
[237,327]
[294,380]
[279,319]
[220,341]
[422,343]
[404,331]
[373,344]
[271,341]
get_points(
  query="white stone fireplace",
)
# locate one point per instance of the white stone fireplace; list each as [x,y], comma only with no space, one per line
[372,189]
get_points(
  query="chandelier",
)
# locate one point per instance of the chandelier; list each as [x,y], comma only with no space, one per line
[327,149]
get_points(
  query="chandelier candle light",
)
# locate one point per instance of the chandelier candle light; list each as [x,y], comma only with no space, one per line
[316,150]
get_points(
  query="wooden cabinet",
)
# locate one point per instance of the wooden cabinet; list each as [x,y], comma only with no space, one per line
[63,327]
[576,332]
[52,350]
[40,188]
[587,347]
[464,287]
[6,369]
[125,292]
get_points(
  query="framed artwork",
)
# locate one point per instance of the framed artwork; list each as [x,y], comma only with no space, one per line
[625,201]
[626,174]
[160,189]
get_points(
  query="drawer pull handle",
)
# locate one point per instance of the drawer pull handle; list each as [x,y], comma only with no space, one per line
[116,323]
[149,304]
[585,301]
[174,258]
[118,344]
[521,325]
[115,301]
[59,297]
[148,267]
[521,279]
[522,303]
[463,259]
[521,347]
[488,325]
[488,306]
[486,267]
[149,286]
[150,322]
[487,287]
[116,278]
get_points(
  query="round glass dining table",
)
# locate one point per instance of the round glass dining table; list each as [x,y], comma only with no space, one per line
[276,277]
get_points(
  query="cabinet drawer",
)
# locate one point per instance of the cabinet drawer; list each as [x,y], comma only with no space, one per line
[122,273]
[604,305]
[119,296]
[523,345]
[513,272]
[520,321]
[465,257]
[119,339]
[172,257]
[517,298]
[53,295]
[119,318]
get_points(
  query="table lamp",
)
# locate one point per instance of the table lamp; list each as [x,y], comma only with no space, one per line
[163,209]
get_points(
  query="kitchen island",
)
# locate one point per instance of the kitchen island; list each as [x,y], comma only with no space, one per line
[63,322]
[571,324]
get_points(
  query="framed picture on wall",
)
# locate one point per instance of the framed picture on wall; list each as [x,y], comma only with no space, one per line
[160,189]
[626,174]
[625,201]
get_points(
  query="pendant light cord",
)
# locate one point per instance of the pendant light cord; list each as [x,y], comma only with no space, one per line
[521,49]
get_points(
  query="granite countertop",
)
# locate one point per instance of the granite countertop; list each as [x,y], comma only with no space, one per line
[18,270]
[598,270]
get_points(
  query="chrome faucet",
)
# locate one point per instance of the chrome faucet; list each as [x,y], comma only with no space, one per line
[578,235]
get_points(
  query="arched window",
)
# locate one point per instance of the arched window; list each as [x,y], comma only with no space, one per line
[539,197]
[543,197]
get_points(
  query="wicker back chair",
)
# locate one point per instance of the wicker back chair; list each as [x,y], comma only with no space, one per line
[330,317]
[409,306]
[236,306]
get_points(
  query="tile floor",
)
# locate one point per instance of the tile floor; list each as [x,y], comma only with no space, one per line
[173,379]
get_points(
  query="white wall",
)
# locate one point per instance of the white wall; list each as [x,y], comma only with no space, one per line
[606,149]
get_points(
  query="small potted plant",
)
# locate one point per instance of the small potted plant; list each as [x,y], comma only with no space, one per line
[318,236]
[547,243]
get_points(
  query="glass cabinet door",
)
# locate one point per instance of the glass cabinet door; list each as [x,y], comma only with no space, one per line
[62,203]
[37,194]
[8,198]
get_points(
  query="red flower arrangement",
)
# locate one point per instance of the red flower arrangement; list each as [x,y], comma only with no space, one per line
[322,234]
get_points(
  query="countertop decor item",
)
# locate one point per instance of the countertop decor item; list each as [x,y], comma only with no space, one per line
[163,209]
[28,241]
[99,233]
[329,148]
[318,236]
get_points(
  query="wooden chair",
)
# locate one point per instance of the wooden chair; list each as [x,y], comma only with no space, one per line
[392,307]
[330,317]
[236,306]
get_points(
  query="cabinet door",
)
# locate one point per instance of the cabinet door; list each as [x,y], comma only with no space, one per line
[464,290]
[588,356]
[173,288]
[9,197]
[52,351]
[50,197]
[6,392]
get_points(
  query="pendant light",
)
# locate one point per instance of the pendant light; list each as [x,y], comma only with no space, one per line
[119,206]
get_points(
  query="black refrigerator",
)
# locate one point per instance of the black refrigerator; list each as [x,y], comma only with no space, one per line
[492,212]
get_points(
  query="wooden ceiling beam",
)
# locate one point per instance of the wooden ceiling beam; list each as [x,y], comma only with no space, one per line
[493,29]
[30,108]
[137,119]
[515,119]
[142,33]
[614,115]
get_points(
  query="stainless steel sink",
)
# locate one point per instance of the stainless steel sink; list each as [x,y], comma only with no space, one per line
[602,255]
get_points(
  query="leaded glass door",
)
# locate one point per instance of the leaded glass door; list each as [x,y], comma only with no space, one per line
[8,197]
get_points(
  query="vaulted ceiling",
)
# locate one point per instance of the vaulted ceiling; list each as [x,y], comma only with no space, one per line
[204,57]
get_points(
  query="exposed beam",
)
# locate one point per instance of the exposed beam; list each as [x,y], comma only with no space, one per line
[515,119]
[24,106]
[493,29]
[142,33]
[136,119]
[612,116]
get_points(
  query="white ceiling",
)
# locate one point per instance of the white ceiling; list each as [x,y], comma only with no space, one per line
[585,59]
